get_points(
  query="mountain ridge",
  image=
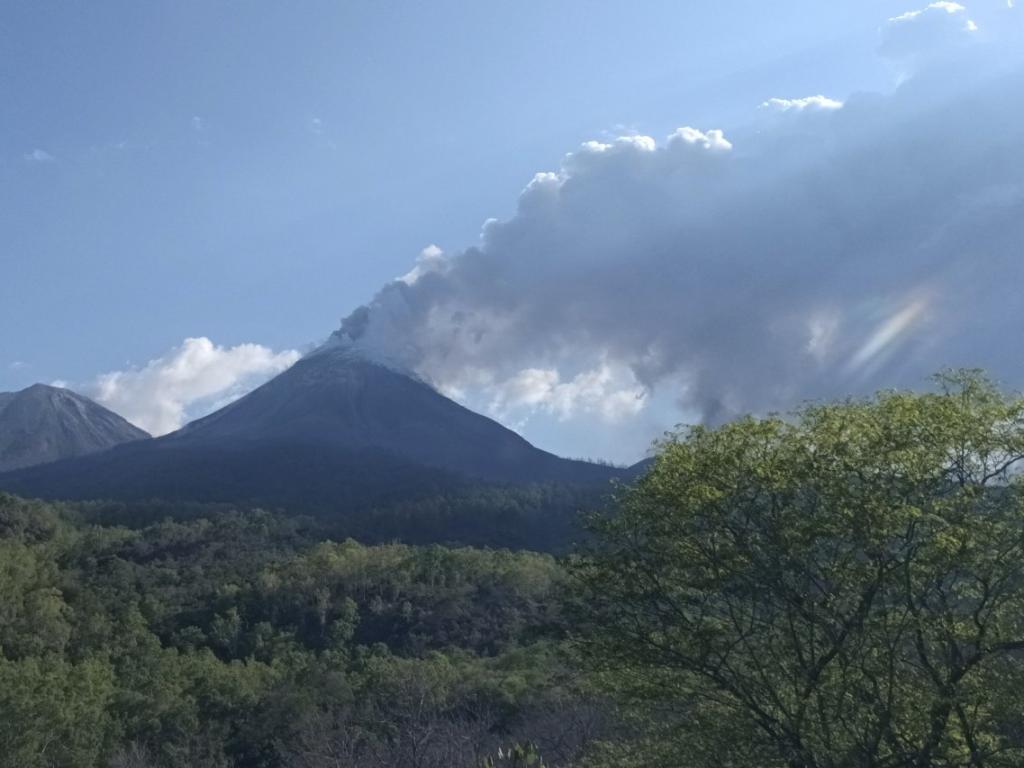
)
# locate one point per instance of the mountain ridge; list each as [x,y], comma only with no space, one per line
[333,429]
[336,398]
[42,424]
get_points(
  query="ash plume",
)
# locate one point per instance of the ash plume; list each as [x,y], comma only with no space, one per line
[832,246]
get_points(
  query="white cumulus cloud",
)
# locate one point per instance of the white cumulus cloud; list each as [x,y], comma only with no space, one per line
[919,36]
[188,381]
[943,5]
[611,394]
[808,103]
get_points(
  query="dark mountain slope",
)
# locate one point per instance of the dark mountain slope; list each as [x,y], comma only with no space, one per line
[638,470]
[334,431]
[331,398]
[279,474]
[43,424]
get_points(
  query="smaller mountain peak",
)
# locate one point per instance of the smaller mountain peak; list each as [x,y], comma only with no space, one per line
[44,423]
[40,387]
[40,392]
[49,393]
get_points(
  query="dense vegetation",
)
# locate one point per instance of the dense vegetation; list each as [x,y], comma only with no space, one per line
[240,639]
[839,589]
[845,588]
[538,517]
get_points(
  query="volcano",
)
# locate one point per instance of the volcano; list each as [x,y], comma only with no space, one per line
[41,424]
[335,428]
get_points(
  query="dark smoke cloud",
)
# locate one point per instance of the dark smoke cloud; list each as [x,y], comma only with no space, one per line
[829,248]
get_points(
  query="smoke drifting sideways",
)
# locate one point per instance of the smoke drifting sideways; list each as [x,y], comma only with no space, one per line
[830,248]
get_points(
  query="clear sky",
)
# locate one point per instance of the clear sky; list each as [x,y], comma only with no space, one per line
[251,172]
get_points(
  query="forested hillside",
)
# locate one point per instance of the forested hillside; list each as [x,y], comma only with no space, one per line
[240,639]
[544,518]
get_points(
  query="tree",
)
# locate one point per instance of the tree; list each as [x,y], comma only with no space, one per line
[54,713]
[33,615]
[843,588]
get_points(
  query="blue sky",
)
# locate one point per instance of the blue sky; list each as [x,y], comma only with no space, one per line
[252,172]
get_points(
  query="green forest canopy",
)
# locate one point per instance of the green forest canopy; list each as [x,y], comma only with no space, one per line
[840,588]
